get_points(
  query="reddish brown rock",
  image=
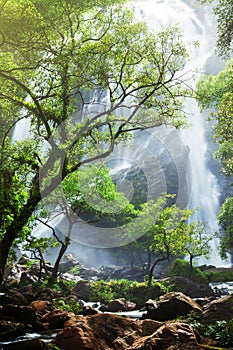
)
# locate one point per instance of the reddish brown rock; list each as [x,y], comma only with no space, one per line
[150,326]
[98,332]
[171,336]
[171,306]
[42,306]
[217,310]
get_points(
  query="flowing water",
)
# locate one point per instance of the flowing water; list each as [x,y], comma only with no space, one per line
[197,25]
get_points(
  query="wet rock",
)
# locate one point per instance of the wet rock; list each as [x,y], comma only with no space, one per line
[119,305]
[82,290]
[180,334]
[171,306]
[220,309]
[9,329]
[98,332]
[21,314]
[34,344]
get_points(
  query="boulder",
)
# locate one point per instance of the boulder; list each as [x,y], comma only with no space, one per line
[171,306]
[175,335]
[33,344]
[9,329]
[21,314]
[42,306]
[98,332]
[67,262]
[150,326]
[82,290]
[56,318]
[217,310]
[119,305]
[190,288]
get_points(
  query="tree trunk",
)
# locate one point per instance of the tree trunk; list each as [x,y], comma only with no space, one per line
[150,277]
[17,225]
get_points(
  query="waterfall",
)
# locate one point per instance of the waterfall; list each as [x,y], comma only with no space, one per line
[197,26]
[168,151]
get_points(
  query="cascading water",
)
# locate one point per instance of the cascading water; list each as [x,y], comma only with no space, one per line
[197,26]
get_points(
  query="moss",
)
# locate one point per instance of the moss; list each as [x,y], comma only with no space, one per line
[181,267]
[219,275]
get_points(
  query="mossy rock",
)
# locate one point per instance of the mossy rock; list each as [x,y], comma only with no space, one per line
[181,267]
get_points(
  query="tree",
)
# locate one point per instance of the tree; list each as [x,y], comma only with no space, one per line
[169,235]
[223,10]
[69,68]
[216,92]
[197,242]
[225,219]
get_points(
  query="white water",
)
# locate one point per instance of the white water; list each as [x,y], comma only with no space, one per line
[205,189]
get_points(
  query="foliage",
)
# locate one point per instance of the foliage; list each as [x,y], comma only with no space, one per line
[60,285]
[197,243]
[225,219]
[223,10]
[68,70]
[138,292]
[72,305]
[180,267]
[216,91]
[214,275]
[221,331]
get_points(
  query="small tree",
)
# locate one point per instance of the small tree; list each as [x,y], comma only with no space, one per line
[169,235]
[197,241]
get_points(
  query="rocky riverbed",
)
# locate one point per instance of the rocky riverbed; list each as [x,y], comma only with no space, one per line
[30,319]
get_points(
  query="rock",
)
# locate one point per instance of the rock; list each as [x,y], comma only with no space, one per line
[119,305]
[42,306]
[150,326]
[47,294]
[34,344]
[13,297]
[171,306]
[56,318]
[217,310]
[21,314]
[190,288]
[67,262]
[82,290]
[9,329]
[98,332]
[180,334]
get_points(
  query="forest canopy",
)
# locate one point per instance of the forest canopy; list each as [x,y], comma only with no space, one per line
[83,75]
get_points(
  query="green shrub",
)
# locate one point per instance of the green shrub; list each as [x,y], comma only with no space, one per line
[137,292]
[219,276]
[72,305]
[221,331]
[181,267]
